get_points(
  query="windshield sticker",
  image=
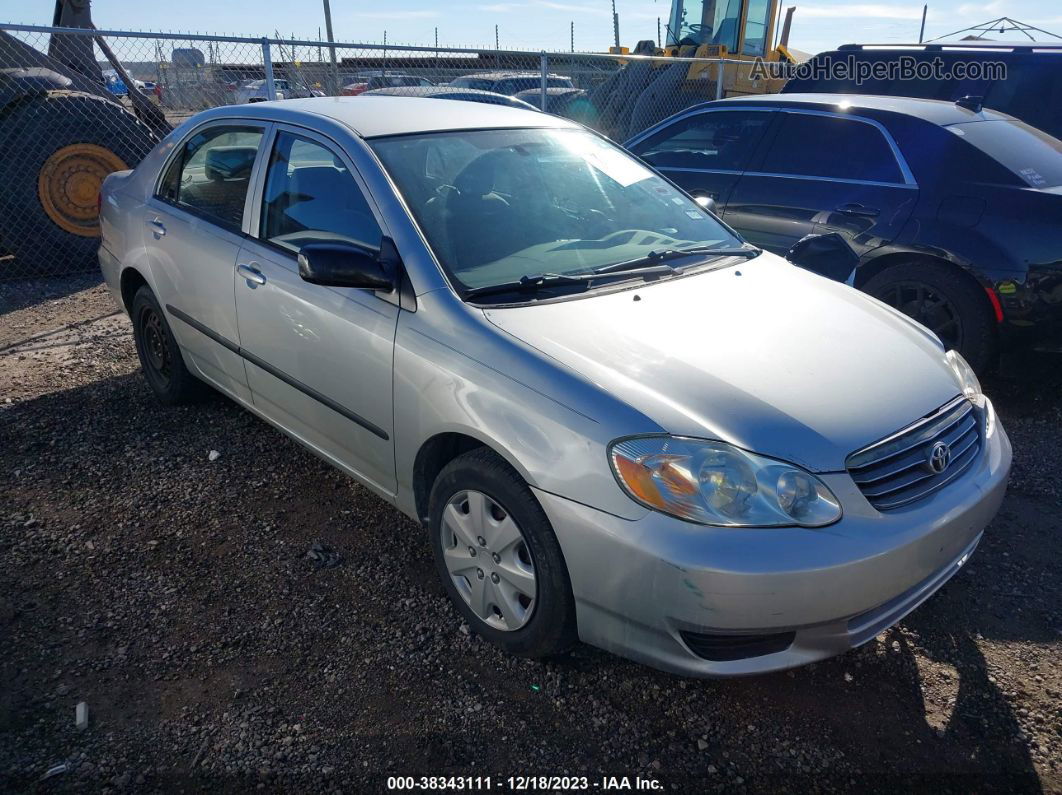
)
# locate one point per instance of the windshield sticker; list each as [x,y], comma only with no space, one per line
[696,216]
[1033,177]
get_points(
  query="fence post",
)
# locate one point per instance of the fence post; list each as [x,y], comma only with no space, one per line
[545,78]
[719,79]
[267,62]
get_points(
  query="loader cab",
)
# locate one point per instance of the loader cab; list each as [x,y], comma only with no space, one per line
[743,27]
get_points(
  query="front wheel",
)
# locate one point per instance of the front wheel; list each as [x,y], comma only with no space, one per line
[944,301]
[498,558]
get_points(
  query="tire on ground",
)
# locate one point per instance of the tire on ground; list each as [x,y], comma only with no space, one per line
[978,328]
[551,630]
[181,386]
[103,134]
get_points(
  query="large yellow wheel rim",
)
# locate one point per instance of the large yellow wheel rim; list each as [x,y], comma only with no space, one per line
[69,186]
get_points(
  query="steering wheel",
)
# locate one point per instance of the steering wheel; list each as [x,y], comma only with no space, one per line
[702,33]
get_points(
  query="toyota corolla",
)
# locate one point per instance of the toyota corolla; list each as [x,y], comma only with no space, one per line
[617,421]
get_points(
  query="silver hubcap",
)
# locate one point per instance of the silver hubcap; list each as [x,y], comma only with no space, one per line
[488,560]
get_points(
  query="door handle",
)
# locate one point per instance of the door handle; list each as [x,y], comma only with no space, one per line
[157,227]
[251,273]
[859,210]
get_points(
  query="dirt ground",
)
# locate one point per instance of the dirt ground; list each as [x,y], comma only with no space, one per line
[171,594]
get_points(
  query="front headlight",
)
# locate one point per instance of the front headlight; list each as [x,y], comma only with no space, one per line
[965,378]
[718,484]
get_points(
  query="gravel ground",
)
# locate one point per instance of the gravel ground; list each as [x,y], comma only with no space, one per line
[171,593]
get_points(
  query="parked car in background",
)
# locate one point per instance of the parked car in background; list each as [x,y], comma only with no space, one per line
[1031,90]
[509,83]
[255,91]
[954,212]
[616,420]
[561,100]
[447,92]
[117,86]
[389,80]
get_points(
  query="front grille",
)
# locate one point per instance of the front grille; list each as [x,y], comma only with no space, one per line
[727,648]
[900,469]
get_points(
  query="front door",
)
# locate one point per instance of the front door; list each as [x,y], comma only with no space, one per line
[822,173]
[192,237]
[319,359]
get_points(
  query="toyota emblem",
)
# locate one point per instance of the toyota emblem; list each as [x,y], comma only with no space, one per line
[938,458]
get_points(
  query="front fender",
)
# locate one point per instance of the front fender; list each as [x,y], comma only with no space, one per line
[454,372]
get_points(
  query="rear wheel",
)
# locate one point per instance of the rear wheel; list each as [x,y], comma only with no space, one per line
[944,301]
[55,151]
[498,558]
[160,356]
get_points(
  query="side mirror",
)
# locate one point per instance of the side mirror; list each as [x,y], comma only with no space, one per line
[827,255]
[349,265]
[706,201]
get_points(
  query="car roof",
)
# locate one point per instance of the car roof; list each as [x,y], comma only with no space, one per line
[971,44]
[935,111]
[500,75]
[375,116]
[455,92]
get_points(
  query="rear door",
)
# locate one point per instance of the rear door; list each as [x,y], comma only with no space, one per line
[319,359]
[194,230]
[705,152]
[823,172]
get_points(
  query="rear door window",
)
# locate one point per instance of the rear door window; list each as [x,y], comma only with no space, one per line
[713,140]
[829,147]
[211,175]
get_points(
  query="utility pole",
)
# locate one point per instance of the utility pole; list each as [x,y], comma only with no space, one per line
[922,31]
[573,35]
[333,89]
[496,47]
[658,43]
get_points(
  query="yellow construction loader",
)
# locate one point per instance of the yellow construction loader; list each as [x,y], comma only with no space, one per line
[740,32]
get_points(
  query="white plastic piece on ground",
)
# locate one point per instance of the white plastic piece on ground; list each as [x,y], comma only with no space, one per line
[55,770]
[81,716]
[213,455]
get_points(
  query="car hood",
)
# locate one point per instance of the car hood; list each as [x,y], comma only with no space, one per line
[763,355]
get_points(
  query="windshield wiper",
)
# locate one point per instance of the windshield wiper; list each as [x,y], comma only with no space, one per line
[654,258]
[530,284]
[527,284]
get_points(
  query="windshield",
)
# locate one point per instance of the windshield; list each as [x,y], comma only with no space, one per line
[1028,153]
[499,205]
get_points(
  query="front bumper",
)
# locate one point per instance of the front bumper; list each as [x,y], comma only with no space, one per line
[639,585]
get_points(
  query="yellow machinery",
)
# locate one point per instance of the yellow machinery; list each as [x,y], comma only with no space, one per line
[642,92]
[742,30]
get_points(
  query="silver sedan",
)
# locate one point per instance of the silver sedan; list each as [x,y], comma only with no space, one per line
[617,421]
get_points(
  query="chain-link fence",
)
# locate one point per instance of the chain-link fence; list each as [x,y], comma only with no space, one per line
[78,104]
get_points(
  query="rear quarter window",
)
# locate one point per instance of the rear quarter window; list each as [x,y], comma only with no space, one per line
[1030,155]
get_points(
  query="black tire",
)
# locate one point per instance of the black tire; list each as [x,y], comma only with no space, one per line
[31,132]
[550,629]
[945,301]
[160,356]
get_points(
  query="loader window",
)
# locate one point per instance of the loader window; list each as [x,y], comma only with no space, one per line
[756,25]
[706,22]
[212,173]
